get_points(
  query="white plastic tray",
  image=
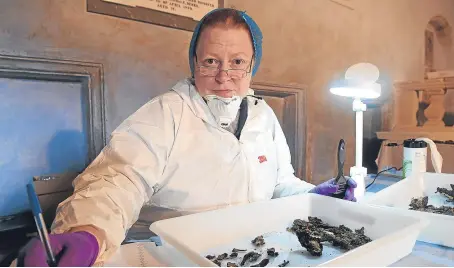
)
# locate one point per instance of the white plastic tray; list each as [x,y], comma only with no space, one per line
[440,230]
[195,235]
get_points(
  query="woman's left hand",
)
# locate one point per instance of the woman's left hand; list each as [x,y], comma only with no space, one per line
[330,187]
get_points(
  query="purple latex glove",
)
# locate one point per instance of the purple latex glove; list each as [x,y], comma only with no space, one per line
[70,249]
[329,187]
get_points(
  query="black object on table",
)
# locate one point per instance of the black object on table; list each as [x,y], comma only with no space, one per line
[340,178]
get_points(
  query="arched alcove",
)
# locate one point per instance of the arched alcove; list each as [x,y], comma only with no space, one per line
[438,57]
[438,45]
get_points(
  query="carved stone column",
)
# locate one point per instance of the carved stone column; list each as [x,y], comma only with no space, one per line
[434,89]
[436,109]
[449,101]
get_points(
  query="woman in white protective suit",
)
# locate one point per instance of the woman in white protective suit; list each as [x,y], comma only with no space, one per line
[206,144]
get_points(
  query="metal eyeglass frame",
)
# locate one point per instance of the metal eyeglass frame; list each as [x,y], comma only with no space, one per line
[226,70]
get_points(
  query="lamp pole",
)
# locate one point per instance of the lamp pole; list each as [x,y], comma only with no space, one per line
[358,172]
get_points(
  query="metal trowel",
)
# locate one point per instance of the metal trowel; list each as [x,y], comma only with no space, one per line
[340,178]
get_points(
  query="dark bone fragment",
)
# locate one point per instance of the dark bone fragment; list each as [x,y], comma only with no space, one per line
[251,256]
[283,264]
[311,234]
[272,252]
[262,263]
[258,241]
[420,204]
[448,193]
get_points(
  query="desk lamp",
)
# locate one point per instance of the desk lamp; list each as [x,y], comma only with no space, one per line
[359,83]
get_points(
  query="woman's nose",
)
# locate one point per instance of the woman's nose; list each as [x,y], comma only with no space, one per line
[222,76]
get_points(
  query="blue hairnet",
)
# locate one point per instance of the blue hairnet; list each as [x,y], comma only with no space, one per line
[254,29]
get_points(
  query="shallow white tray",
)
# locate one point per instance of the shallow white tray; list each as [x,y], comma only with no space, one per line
[196,235]
[441,228]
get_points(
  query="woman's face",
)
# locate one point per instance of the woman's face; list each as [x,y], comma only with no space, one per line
[223,48]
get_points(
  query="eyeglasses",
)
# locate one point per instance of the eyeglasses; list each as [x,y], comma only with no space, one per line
[233,73]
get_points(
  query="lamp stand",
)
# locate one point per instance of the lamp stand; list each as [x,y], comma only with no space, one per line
[358,172]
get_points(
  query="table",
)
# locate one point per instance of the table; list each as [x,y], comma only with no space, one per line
[423,254]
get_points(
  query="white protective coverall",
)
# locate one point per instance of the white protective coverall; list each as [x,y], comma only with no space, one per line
[171,154]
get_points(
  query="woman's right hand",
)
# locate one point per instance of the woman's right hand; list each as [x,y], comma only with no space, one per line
[70,249]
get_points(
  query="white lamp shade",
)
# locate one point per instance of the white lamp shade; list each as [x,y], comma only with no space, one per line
[359,82]
[349,88]
[366,72]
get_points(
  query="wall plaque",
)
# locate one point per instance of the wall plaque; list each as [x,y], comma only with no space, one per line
[179,14]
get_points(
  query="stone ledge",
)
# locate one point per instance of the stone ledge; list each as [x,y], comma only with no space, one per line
[402,135]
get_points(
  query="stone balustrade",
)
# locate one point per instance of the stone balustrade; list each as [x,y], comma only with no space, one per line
[419,108]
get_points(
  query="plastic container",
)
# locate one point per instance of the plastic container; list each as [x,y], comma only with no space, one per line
[415,157]
[399,195]
[196,235]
